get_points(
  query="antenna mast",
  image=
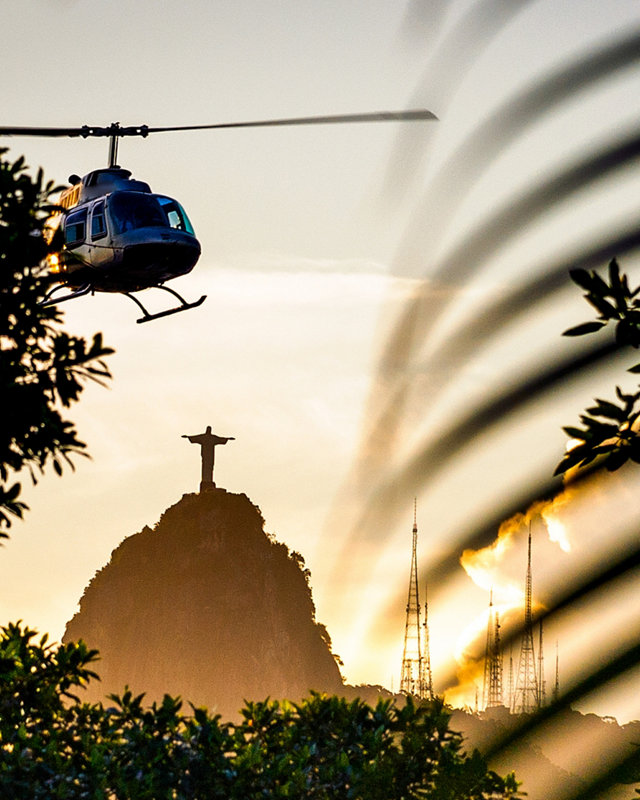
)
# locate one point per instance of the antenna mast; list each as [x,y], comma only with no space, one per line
[411,679]
[427,680]
[542,687]
[486,683]
[526,697]
[510,697]
[493,696]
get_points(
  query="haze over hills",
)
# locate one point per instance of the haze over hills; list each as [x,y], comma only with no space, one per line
[208,606]
[560,758]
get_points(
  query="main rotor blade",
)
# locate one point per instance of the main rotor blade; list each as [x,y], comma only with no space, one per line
[18,131]
[375,116]
[115,129]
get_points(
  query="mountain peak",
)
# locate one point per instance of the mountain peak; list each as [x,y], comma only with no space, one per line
[208,606]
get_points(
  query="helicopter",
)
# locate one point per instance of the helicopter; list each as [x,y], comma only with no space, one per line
[111,233]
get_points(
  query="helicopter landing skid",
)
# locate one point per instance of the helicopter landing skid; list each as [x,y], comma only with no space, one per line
[184,306]
[49,300]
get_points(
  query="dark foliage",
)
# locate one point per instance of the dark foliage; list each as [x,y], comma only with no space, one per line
[42,367]
[609,429]
[54,746]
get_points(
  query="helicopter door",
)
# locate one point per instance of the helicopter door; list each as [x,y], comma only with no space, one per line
[98,224]
[75,227]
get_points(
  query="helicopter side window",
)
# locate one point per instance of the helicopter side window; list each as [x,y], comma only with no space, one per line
[176,215]
[132,210]
[75,228]
[98,226]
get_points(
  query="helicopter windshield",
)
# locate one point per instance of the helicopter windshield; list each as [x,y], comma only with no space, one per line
[175,214]
[132,210]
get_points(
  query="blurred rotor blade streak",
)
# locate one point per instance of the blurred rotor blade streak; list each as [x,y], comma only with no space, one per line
[483,533]
[423,20]
[461,48]
[463,168]
[488,141]
[620,565]
[405,452]
[615,665]
[423,312]
[445,69]
[466,341]
[445,193]
[387,499]
[487,239]
[442,571]
[626,770]
[576,592]
[604,674]
[432,457]
[493,318]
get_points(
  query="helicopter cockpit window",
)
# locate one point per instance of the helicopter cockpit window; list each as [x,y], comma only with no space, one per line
[98,226]
[175,214]
[75,228]
[132,210]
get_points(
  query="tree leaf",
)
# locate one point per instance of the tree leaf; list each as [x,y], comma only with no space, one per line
[585,327]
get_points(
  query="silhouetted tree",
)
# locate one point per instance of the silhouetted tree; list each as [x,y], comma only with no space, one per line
[610,429]
[52,745]
[42,367]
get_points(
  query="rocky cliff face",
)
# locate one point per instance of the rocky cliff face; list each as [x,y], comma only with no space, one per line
[208,606]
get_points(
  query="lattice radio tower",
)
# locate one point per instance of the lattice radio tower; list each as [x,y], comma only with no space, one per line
[526,697]
[492,694]
[412,677]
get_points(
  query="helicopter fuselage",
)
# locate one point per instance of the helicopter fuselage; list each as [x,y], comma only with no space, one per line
[117,236]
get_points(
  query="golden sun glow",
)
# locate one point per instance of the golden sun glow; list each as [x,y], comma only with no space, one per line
[557,531]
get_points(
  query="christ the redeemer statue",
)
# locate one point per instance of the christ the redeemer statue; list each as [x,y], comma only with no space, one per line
[207,442]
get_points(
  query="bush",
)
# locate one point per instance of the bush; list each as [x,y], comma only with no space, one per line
[54,746]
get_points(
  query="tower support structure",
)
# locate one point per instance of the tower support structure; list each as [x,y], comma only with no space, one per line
[526,696]
[493,667]
[412,674]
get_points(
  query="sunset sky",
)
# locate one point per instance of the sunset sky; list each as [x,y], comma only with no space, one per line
[314,242]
